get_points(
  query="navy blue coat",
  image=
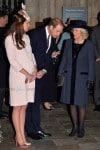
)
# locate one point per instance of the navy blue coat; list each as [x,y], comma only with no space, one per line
[46,86]
[77,89]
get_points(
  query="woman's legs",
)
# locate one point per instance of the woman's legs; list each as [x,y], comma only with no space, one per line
[81,114]
[18,117]
[73,116]
[81,117]
[22,122]
[77,115]
[16,123]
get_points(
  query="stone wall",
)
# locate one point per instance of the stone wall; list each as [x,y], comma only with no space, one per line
[40,9]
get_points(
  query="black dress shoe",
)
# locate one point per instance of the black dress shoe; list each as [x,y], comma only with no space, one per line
[34,136]
[73,132]
[97,108]
[81,133]
[3,116]
[44,134]
[5,113]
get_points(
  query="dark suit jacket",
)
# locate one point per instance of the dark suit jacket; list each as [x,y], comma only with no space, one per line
[45,87]
[96,40]
[4,64]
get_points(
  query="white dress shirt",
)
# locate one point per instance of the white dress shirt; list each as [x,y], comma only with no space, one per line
[47,34]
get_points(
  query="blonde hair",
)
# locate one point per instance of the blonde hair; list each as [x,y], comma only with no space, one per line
[85,33]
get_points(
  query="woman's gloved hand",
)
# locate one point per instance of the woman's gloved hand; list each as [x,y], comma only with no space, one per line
[90,86]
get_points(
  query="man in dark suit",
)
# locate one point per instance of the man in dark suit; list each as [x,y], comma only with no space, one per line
[3,61]
[96,41]
[43,50]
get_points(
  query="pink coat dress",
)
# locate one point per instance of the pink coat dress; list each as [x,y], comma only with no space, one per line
[20,92]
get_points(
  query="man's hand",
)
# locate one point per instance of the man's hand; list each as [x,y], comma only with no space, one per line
[98,60]
[55,54]
[40,74]
[90,87]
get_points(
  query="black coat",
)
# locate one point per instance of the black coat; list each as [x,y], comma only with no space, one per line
[45,87]
[4,65]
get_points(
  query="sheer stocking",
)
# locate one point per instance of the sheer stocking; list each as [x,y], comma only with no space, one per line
[82,112]
[73,115]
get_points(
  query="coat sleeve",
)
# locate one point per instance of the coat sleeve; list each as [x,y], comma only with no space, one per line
[91,56]
[10,49]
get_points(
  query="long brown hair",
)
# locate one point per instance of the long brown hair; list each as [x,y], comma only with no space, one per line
[17,31]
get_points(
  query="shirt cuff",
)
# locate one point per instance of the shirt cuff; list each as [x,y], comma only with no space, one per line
[44,70]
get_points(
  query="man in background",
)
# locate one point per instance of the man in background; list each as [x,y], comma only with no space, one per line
[96,42]
[3,62]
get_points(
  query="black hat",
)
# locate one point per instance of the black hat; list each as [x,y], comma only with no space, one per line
[78,24]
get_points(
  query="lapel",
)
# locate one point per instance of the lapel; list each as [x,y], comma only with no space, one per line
[51,48]
[80,48]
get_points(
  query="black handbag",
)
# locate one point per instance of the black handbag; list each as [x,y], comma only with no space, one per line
[60,80]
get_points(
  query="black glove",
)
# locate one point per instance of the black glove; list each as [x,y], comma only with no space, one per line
[60,80]
[55,60]
[90,87]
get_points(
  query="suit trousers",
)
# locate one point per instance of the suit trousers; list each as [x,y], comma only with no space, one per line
[97,84]
[2,95]
[33,118]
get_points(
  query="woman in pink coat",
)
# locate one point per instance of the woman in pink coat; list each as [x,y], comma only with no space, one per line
[22,74]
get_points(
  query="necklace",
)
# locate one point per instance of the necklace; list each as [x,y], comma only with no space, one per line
[79,41]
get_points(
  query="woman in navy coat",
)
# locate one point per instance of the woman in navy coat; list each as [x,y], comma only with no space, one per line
[77,67]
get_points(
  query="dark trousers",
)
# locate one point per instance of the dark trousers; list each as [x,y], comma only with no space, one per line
[32,124]
[2,95]
[33,117]
[97,84]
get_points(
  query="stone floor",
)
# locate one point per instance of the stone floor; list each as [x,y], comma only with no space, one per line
[57,122]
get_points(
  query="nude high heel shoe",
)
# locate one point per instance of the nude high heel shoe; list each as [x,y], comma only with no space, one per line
[28,143]
[21,145]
